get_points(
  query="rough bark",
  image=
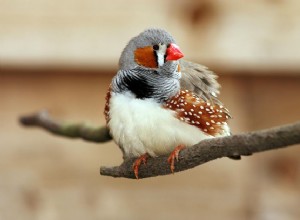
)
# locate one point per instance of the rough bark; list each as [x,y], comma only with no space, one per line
[210,149]
[72,130]
[207,150]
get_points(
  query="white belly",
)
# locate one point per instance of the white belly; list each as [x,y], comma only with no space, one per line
[143,126]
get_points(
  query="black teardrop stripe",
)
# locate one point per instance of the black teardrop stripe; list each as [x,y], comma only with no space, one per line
[156,57]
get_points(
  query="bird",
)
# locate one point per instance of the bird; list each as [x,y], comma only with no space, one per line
[158,103]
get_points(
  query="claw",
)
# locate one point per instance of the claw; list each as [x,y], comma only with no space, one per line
[174,155]
[142,159]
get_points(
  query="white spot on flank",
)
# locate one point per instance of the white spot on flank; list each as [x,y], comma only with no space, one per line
[207,123]
[201,107]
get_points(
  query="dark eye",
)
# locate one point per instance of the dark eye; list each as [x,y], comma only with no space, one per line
[155,47]
[168,45]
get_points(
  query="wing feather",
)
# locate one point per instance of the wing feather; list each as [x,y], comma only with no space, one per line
[199,80]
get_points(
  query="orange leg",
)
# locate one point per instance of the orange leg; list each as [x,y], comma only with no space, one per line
[142,159]
[174,155]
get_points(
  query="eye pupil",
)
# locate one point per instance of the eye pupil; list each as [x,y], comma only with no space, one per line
[155,47]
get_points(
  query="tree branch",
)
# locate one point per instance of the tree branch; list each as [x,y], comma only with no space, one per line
[76,130]
[206,150]
[210,149]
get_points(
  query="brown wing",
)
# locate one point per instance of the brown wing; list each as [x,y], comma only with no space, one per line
[207,116]
[199,80]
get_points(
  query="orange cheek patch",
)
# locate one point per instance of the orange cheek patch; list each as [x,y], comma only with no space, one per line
[145,57]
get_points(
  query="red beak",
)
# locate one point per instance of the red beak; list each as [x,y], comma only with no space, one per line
[173,52]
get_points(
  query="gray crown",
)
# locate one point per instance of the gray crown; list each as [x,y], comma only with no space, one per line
[149,37]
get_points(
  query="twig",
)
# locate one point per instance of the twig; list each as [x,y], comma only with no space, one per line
[206,150]
[210,149]
[78,130]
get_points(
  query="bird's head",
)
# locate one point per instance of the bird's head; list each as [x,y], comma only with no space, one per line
[150,49]
[149,66]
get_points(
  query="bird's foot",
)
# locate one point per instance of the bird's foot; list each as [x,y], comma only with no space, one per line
[142,159]
[174,155]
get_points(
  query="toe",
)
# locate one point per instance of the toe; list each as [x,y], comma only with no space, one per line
[137,163]
[174,155]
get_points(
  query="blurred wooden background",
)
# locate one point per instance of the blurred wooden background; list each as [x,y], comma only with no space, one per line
[61,55]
